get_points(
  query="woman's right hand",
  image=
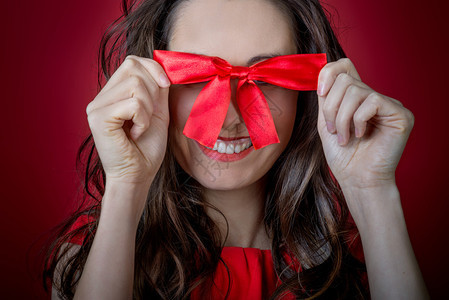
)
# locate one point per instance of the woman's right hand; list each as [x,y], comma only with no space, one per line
[129,121]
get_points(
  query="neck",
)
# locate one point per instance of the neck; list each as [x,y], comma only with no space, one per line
[244,210]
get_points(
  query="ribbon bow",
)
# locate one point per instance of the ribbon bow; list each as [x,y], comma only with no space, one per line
[296,72]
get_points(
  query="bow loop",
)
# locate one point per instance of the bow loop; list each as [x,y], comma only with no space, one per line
[223,67]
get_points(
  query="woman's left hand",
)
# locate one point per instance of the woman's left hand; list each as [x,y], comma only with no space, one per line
[363,132]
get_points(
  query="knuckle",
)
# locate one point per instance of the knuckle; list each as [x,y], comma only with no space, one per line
[329,112]
[344,78]
[346,61]
[142,121]
[374,98]
[358,119]
[398,102]
[410,117]
[130,62]
[92,117]
[136,103]
[156,65]
[403,127]
[352,90]
[341,121]
[326,71]
[135,82]
[89,108]
[131,57]
[92,106]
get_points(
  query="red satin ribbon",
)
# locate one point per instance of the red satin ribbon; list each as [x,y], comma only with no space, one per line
[297,72]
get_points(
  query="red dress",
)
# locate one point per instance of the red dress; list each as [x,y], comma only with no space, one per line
[251,270]
[252,275]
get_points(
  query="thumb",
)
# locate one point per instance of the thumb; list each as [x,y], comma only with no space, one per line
[154,140]
[161,113]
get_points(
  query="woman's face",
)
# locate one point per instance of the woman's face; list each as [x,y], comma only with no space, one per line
[236,31]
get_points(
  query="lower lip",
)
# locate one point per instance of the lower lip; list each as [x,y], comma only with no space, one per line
[223,157]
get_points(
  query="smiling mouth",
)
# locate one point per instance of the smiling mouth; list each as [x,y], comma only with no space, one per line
[228,149]
[231,146]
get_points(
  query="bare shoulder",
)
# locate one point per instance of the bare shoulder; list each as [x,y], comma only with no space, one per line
[68,250]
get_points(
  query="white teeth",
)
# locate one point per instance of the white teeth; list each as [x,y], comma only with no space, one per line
[230,149]
[221,147]
[237,149]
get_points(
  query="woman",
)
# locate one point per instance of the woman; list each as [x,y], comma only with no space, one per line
[172,221]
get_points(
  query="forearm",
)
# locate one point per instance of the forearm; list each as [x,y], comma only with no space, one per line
[393,271]
[109,270]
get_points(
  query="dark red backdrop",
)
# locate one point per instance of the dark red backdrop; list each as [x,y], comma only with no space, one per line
[48,69]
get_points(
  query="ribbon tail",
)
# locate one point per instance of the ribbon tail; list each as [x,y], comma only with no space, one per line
[209,112]
[256,115]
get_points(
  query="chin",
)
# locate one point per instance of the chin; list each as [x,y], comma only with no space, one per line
[227,179]
[224,175]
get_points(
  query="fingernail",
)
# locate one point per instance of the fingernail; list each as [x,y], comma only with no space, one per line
[357,133]
[340,139]
[330,127]
[320,89]
[164,80]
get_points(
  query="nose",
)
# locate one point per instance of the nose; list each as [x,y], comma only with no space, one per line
[233,116]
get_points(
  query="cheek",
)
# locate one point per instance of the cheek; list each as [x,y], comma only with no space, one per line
[180,104]
[283,104]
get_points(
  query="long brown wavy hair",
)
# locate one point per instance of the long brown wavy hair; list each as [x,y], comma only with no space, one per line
[305,210]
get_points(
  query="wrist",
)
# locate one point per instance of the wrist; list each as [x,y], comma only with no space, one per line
[124,202]
[362,183]
[374,207]
[389,190]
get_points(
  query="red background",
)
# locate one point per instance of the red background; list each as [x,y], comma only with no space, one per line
[48,76]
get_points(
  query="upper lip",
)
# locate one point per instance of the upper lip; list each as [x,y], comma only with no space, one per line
[232,138]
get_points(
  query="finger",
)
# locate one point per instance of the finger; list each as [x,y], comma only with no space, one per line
[155,70]
[353,98]
[159,121]
[133,86]
[161,107]
[107,120]
[396,101]
[329,73]
[392,112]
[132,65]
[331,103]
[161,110]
